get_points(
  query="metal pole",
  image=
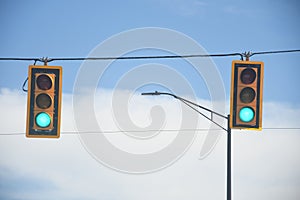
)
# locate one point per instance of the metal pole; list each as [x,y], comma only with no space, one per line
[228,159]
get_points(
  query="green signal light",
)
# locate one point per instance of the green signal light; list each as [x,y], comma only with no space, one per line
[246,114]
[42,120]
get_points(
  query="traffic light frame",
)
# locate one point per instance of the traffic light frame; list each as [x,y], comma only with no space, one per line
[246,95]
[44,101]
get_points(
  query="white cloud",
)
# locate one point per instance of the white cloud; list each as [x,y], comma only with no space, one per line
[265,164]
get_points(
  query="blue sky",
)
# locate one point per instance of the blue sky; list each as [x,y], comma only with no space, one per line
[75,28]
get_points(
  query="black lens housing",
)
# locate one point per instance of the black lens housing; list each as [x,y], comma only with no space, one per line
[248,76]
[43,101]
[44,82]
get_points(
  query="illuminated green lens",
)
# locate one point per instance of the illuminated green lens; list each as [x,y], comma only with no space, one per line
[246,114]
[42,120]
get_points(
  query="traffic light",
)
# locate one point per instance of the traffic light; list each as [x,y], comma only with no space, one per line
[44,101]
[246,95]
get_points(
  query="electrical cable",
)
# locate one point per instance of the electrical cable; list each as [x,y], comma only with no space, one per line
[274,52]
[107,132]
[23,86]
[248,54]
[120,58]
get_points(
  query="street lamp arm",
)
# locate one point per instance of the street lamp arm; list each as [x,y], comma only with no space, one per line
[210,119]
[160,93]
[189,103]
[202,107]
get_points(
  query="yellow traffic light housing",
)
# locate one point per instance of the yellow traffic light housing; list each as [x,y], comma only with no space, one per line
[246,95]
[44,101]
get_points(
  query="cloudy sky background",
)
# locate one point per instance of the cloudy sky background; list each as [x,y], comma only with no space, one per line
[265,164]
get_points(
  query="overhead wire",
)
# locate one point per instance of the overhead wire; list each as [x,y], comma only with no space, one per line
[110,132]
[274,52]
[242,55]
[120,57]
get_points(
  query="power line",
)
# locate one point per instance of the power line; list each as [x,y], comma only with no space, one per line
[242,55]
[274,52]
[107,132]
[120,58]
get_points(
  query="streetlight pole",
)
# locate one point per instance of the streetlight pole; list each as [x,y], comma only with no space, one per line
[228,130]
[228,159]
